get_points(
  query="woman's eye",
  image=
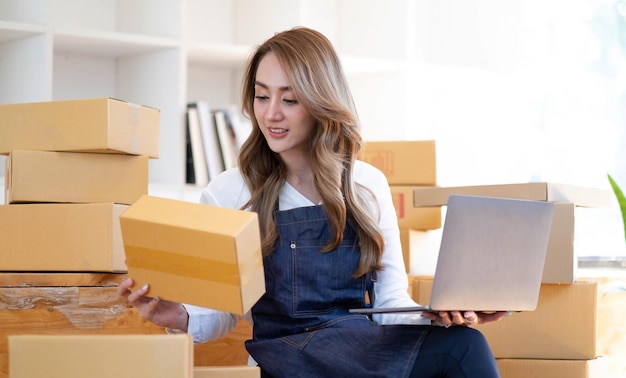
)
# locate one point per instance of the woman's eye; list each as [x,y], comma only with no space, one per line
[260,97]
[290,102]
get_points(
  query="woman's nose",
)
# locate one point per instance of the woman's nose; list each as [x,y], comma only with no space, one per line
[274,110]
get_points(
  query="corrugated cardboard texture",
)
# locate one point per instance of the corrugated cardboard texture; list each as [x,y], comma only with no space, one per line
[564,325]
[403,162]
[409,216]
[100,356]
[227,372]
[523,368]
[193,253]
[95,125]
[41,176]
[61,237]
[539,191]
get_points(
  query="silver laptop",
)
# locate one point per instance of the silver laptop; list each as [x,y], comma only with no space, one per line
[491,256]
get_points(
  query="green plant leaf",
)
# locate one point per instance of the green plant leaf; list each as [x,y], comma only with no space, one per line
[621,199]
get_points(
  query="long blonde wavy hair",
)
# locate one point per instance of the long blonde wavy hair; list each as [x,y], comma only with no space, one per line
[314,72]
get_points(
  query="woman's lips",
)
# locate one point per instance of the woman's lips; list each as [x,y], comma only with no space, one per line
[277,132]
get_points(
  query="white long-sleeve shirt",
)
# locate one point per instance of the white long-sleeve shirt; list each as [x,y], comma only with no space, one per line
[391,289]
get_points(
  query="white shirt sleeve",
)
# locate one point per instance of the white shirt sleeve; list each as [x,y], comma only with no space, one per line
[206,324]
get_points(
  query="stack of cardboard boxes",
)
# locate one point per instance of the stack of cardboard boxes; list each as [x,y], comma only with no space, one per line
[408,165]
[73,168]
[566,336]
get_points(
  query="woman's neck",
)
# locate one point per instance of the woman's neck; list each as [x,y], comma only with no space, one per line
[301,177]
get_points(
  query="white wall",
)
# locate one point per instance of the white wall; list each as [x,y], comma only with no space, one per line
[525,91]
[511,92]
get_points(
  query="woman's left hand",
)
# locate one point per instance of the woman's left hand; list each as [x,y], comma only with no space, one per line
[466,318]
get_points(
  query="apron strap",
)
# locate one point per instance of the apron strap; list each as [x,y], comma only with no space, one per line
[370,291]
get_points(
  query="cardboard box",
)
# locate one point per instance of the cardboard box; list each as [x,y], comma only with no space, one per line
[100,356]
[561,258]
[89,125]
[194,253]
[41,176]
[539,191]
[611,310]
[403,162]
[523,368]
[420,249]
[61,237]
[226,372]
[569,324]
[411,217]
[564,325]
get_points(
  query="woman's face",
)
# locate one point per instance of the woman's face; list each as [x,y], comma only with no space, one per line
[284,122]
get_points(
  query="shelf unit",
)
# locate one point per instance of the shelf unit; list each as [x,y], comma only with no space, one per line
[164,53]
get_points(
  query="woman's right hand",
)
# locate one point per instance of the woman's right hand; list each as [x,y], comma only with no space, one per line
[160,312]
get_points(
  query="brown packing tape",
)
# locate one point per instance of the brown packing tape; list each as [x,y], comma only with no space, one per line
[188,266]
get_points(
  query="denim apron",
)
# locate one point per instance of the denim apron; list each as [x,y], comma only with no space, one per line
[302,327]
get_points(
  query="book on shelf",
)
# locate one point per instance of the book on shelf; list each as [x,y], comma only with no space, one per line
[190,177]
[196,165]
[212,151]
[241,125]
[212,143]
[227,137]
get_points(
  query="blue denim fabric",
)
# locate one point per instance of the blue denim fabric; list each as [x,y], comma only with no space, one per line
[459,352]
[302,327]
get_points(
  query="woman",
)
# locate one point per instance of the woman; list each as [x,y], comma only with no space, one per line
[329,236]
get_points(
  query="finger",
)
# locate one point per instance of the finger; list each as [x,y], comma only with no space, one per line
[446,319]
[149,308]
[124,287]
[137,294]
[457,317]
[471,317]
[492,317]
[434,317]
